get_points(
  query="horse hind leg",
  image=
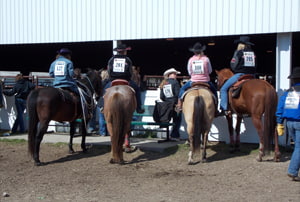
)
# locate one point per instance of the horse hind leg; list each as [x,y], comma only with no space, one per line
[41,130]
[192,151]
[258,125]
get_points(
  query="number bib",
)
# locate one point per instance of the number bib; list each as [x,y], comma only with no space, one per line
[249,59]
[119,65]
[59,69]
[198,67]
[292,100]
[167,89]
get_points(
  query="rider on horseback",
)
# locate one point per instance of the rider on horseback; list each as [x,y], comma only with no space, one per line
[120,67]
[242,62]
[199,68]
[62,71]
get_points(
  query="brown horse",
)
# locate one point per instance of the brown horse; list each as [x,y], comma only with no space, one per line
[257,98]
[119,105]
[199,112]
[46,104]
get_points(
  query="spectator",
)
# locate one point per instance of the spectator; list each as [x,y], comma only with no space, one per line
[169,90]
[289,108]
[21,91]
[102,125]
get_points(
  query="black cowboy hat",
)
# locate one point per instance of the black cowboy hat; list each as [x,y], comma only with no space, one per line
[122,47]
[64,51]
[295,73]
[198,47]
[244,40]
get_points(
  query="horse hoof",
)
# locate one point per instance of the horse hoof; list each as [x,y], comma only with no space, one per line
[259,159]
[203,160]
[38,163]
[121,162]
[71,152]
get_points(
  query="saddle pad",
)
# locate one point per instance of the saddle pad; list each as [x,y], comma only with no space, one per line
[119,82]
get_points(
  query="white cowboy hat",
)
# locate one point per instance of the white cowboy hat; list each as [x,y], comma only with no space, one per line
[172,70]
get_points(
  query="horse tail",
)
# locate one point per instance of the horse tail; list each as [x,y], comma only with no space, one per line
[198,121]
[269,117]
[118,118]
[33,119]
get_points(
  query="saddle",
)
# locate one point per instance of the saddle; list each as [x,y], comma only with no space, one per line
[236,88]
[196,85]
[117,82]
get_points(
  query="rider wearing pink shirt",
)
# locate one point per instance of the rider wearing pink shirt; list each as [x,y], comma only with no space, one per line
[199,68]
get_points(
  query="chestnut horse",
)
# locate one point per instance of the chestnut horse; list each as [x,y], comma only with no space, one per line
[199,112]
[257,98]
[119,105]
[46,104]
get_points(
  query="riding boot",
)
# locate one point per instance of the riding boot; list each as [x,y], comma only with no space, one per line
[178,107]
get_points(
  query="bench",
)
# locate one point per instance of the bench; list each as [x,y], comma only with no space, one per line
[148,113]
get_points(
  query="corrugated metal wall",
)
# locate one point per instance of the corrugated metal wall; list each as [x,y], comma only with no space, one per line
[46,21]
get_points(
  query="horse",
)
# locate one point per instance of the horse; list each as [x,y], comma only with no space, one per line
[256,98]
[199,112]
[119,105]
[46,104]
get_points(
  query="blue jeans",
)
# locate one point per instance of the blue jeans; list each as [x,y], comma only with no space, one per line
[225,88]
[20,106]
[102,125]
[188,84]
[93,122]
[294,131]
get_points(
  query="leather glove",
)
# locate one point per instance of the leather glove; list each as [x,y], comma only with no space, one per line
[280,129]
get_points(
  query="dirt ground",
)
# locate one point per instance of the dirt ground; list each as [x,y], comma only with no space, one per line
[146,176]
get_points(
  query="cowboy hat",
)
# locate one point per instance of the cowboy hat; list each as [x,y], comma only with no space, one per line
[122,47]
[198,47]
[64,51]
[295,73]
[171,70]
[244,40]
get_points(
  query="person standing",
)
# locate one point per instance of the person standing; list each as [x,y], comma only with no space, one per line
[243,62]
[289,108]
[199,69]
[21,91]
[169,91]
[120,67]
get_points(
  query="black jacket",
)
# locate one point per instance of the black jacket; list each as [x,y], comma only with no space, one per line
[22,89]
[116,71]
[239,63]
[175,91]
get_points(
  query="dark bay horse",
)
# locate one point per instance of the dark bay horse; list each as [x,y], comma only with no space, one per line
[46,104]
[119,105]
[258,99]
[199,112]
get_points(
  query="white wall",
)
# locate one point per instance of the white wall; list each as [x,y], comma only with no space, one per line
[49,21]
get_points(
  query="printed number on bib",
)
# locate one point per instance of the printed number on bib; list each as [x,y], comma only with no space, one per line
[249,59]
[59,69]
[292,100]
[198,67]
[167,89]
[119,65]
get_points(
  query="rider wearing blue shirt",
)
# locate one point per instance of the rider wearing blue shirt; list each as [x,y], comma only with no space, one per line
[289,108]
[62,71]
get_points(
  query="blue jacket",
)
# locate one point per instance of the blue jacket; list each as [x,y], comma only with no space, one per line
[62,71]
[285,112]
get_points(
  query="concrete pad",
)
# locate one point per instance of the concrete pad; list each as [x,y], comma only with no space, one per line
[146,144]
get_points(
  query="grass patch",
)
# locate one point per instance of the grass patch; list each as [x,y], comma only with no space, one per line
[13,141]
